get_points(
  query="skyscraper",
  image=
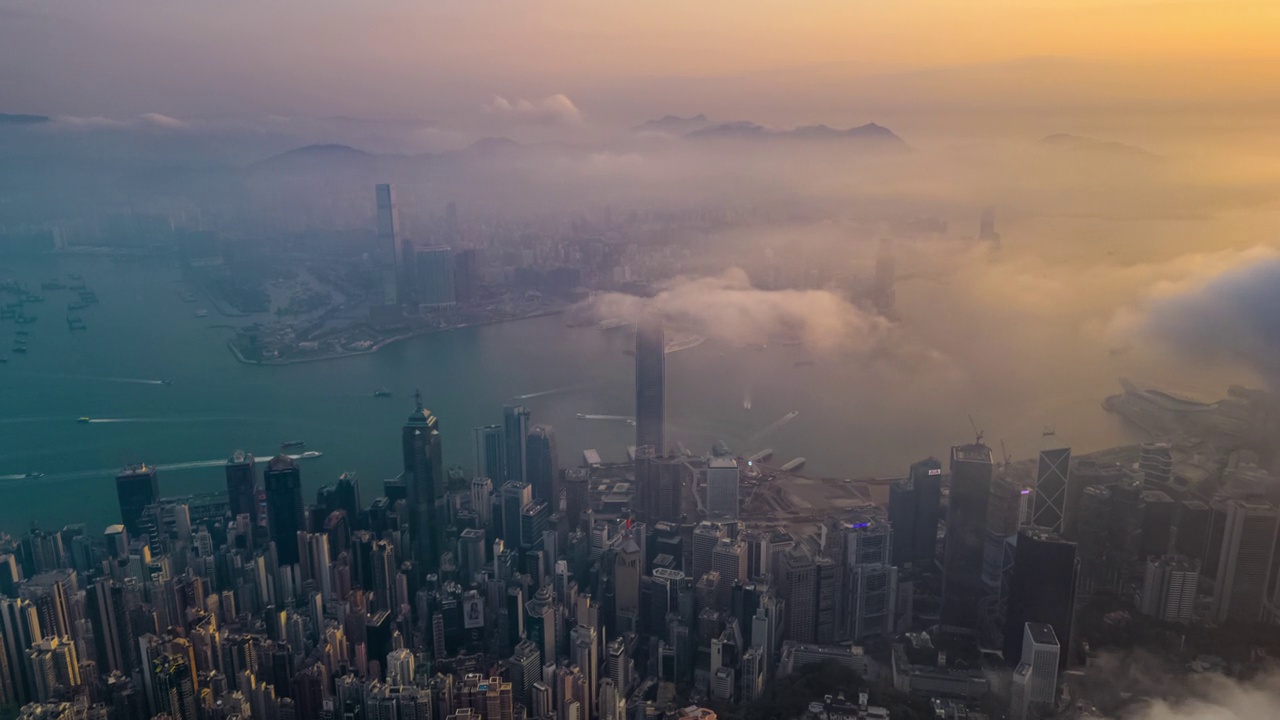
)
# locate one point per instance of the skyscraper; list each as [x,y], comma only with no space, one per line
[650,383]
[434,276]
[1042,589]
[1053,472]
[515,496]
[242,485]
[425,482]
[966,531]
[541,461]
[491,453]
[515,430]
[660,485]
[389,254]
[926,483]
[1248,537]
[871,580]
[136,488]
[722,488]
[285,515]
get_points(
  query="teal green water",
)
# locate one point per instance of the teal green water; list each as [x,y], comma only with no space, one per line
[142,333]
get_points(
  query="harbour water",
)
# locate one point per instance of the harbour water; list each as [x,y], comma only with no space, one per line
[160,386]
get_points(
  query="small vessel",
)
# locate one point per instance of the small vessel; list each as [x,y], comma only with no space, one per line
[20,348]
[293,444]
[310,454]
[683,343]
[382,393]
[795,464]
[25,319]
[202,313]
[34,475]
[166,382]
[83,419]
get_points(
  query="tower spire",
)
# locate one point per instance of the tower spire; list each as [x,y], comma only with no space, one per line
[417,398]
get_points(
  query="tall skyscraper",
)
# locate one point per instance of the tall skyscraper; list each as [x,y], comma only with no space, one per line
[1035,681]
[1169,589]
[136,488]
[515,496]
[926,483]
[466,276]
[660,485]
[515,430]
[491,453]
[722,488]
[425,482]
[1244,564]
[1053,472]
[871,580]
[962,586]
[799,588]
[543,465]
[650,383]
[389,254]
[285,514]
[1042,589]
[242,485]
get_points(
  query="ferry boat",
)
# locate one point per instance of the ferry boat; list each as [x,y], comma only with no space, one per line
[293,444]
[83,420]
[202,313]
[34,475]
[382,393]
[310,454]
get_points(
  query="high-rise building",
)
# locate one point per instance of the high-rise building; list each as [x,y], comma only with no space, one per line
[136,488]
[515,431]
[1156,462]
[425,481]
[902,517]
[515,496]
[722,488]
[19,628]
[651,366]
[926,484]
[543,464]
[466,273]
[242,485]
[285,515]
[871,580]
[1169,587]
[799,588]
[491,453]
[434,272]
[389,254]
[660,485]
[962,586]
[729,558]
[1243,569]
[1035,679]
[1192,533]
[1042,589]
[1053,473]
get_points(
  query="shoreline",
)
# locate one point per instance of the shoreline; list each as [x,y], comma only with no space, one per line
[235,351]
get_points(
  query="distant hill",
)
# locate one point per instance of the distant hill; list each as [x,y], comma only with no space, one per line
[870,133]
[674,125]
[310,155]
[1080,144]
[7,120]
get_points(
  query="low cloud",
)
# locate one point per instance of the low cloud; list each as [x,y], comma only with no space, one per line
[555,109]
[728,308]
[163,121]
[1233,316]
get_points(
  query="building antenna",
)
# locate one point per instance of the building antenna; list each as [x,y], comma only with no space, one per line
[417,398]
[976,431]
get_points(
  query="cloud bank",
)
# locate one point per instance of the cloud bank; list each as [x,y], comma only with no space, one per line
[726,307]
[555,109]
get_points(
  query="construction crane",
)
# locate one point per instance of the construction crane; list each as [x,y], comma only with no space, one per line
[977,433]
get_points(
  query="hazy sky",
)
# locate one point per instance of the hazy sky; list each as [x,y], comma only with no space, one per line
[447,58]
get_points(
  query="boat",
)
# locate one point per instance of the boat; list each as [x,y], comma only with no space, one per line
[202,313]
[795,464]
[293,444]
[683,343]
[34,475]
[760,456]
[382,393]
[20,348]
[25,319]
[166,382]
[83,420]
[310,454]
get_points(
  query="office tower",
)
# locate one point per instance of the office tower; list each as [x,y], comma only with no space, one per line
[19,628]
[1191,533]
[1156,463]
[425,481]
[1243,567]
[827,601]
[584,652]
[515,496]
[1042,589]
[1041,648]
[799,589]
[55,668]
[966,531]
[400,667]
[902,517]
[926,483]
[1006,512]
[482,501]
[1158,513]
[434,273]
[285,515]
[491,453]
[515,430]
[987,225]
[533,522]
[660,485]
[524,668]
[1053,473]
[1169,589]
[729,558]
[871,580]
[471,553]
[389,255]
[382,561]
[650,384]
[705,538]
[466,273]
[626,583]
[106,605]
[543,465]
[722,488]
[136,487]
[242,485]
